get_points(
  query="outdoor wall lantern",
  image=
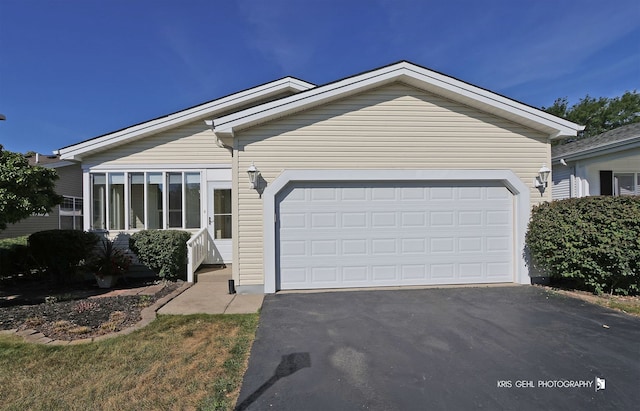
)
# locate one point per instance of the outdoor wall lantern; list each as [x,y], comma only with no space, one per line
[253,173]
[542,179]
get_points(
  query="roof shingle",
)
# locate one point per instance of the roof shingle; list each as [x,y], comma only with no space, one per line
[608,138]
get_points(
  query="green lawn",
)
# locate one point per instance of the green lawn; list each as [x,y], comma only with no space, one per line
[191,362]
[8,242]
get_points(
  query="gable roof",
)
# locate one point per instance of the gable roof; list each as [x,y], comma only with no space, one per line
[206,110]
[621,138]
[408,73]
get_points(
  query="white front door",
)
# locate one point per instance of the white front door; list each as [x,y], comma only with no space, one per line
[219,220]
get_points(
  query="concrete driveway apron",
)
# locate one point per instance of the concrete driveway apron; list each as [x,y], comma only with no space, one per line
[456,348]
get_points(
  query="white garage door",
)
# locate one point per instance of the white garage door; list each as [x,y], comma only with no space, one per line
[367,234]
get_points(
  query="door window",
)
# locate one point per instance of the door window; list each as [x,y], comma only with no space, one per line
[222,213]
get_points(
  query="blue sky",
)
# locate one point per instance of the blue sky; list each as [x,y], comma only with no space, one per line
[75,69]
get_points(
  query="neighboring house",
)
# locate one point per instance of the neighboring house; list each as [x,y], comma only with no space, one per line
[607,164]
[396,176]
[68,214]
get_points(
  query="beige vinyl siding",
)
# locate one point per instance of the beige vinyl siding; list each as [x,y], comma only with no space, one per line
[393,127]
[31,225]
[193,143]
[70,181]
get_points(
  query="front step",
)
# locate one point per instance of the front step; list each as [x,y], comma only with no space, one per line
[213,274]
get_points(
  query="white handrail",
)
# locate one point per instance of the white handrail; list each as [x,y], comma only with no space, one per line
[196,252]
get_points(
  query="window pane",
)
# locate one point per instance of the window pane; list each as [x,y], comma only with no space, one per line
[116,201]
[192,199]
[222,213]
[136,198]
[223,226]
[154,202]
[624,184]
[99,205]
[222,202]
[66,222]
[175,199]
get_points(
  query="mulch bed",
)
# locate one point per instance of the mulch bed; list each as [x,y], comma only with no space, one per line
[74,313]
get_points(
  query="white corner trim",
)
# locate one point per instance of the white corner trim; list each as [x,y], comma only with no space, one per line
[522,207]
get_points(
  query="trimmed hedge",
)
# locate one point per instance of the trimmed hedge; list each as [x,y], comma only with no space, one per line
[163,251]
[61,251]
[15,257]
[593,241]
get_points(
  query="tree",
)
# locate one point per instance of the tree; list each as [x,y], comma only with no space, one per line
[599,115]
[24,189]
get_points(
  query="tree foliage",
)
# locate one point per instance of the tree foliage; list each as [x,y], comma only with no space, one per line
[24,189]
[599,114]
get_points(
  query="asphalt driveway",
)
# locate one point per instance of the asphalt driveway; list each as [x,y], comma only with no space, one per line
[459,348]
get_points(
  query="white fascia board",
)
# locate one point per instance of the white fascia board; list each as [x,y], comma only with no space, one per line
[76,151]
[413,75]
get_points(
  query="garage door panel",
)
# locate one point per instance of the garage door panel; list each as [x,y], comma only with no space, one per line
[471,271]
[413,194]
[498,270]
[354,220]
[470,245]
[323,275]
[374,234]
[413,246]
[324,194]
[470,193]
[324,220]
[354,247]
[357,274]
[469,218]
[498,218]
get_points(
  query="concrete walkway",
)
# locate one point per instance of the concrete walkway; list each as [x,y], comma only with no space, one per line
[210,295]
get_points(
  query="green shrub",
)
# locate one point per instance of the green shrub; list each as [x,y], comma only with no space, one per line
[593,241]
[14,257]
[60,251]
[163,251]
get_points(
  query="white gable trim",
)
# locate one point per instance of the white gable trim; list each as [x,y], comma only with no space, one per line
[413,75]
[77,151]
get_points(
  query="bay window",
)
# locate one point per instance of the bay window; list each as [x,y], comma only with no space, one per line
[139,200]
